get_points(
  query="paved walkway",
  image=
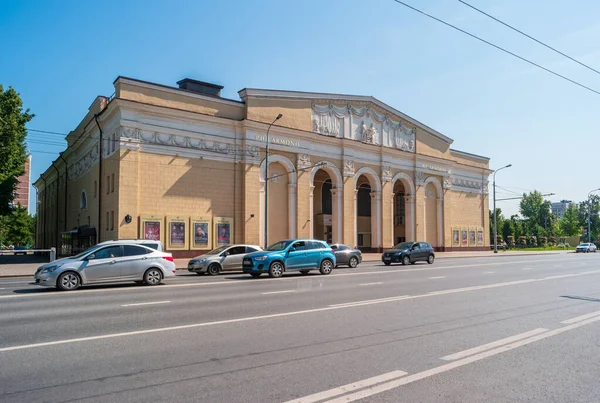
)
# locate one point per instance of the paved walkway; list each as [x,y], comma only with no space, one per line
[28,269]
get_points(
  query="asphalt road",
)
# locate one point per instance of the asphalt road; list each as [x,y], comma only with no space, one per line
[510,329]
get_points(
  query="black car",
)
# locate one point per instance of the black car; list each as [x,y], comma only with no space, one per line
[409,253]
[345,255]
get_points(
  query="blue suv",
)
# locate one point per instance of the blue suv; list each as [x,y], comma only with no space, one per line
[301,255]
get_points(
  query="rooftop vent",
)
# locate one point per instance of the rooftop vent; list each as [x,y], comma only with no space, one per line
[200,87]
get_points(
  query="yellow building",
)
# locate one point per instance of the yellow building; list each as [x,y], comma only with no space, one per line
[187,166]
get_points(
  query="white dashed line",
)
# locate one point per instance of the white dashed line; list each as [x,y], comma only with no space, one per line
[371,283]
[435,278]
[277,292]
[147,303]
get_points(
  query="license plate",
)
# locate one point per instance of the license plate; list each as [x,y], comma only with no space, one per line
[387,258]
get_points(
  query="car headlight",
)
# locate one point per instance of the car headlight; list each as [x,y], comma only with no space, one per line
[49,269]
[260,258]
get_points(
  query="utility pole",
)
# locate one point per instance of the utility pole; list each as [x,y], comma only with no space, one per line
[267,182]
[495,223]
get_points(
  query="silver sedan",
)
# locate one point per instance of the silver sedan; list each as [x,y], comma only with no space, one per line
[225,258]
[107,263]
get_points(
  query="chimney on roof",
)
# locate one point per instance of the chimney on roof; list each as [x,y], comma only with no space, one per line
[200,87]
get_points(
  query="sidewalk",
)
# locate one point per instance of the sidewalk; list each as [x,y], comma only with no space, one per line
[28,269]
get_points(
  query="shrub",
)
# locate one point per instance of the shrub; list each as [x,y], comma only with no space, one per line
[533,241]
[510,241]
[522,241]
[552,241]
[543,241]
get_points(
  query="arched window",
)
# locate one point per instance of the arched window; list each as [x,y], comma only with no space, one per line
[83,200]
[326,202]
[364,200]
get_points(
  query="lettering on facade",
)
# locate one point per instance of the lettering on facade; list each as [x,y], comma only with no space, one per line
[278,140]
[435,168]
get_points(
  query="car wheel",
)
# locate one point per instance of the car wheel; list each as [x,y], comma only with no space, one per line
[387,263]
[255,275]
[213,269]
[68,281]
[430,259]
[353,262]
[406,260]
[305,272]
[152,276]
[326,267]
[276,270]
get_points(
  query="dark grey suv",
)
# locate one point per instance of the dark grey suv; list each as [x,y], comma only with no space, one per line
[345,255]
[409,253]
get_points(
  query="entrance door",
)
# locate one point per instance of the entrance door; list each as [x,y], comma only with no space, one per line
[328,234]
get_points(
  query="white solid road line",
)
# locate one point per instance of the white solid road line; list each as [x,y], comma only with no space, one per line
[493,344]
[351,387]
[371,283]
[148,303]
[436,278]
[456,364]
[278,292]
[285,314]
[580,318]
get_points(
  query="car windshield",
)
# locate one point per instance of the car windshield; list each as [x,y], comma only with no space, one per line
[82,254]
[281,245]
[218,250]
[403,245]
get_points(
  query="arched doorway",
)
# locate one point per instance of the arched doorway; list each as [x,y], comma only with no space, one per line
[325,203]
[367,224]
[402,226]
[322,219]
[400,233]
[281,200]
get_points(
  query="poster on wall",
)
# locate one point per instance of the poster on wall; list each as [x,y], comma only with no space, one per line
[472,237]
[200,233]
[464,241]
[480,237]
[223,231]
[177,228]
[151,227]
[455,237]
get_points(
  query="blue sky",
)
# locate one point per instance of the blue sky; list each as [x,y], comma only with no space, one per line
[61,55]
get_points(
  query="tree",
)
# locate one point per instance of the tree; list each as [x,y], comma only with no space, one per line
[507,229]
[499,222]
[594,211]
[570,224]
[12,144]
[18,227]
[537,213]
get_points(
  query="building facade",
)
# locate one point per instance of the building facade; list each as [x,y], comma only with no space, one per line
[559,208]
[188,167]
[23,185]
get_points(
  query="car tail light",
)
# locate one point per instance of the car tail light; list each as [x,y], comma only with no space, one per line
[169,258]
[332,251]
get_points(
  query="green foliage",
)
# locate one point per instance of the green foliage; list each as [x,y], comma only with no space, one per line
[522,241]
[570,224]
[543,241]
[12,144]
[532,241]
[510,241]
[593,208]
[17,228]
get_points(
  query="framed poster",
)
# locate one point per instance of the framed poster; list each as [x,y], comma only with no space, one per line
[480,237]
[223,228]
[151,227]
[177,233]
[464,240]
[472,235]
[455,237]
[200,233]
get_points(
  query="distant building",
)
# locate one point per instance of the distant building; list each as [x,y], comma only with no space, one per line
[23,185]
[559,208]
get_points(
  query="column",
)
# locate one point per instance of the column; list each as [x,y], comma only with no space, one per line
[387,219]
[292,213]
[311,212]
[409,219]
[376,220]
[355,232]
[254,204]
[336,216]
[440,220]
[349,211]
[420,214]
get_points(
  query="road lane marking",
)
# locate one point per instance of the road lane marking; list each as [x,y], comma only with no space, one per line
[371,283]
[278,292]
[456,364]
[283,314]
[148,303]
[488,272]
[527,268]
[436,278]
[493,344]
[580,318]
[351,387]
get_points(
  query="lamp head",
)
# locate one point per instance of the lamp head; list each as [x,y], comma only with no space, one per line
[279,116]
[509,165]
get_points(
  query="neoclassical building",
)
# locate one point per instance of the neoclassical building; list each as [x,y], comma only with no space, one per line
[187,166]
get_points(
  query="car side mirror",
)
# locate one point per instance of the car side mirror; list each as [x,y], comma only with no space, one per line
[90,257]
[225,254]
[292,249]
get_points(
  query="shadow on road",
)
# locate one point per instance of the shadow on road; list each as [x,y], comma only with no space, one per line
[581,298]
[51,290]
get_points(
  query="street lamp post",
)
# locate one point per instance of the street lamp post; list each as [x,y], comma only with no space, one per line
[589,214]
[267,182]
[495,224]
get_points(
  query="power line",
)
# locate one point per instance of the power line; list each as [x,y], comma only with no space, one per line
[47,132]
[530,37]
[498,47]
